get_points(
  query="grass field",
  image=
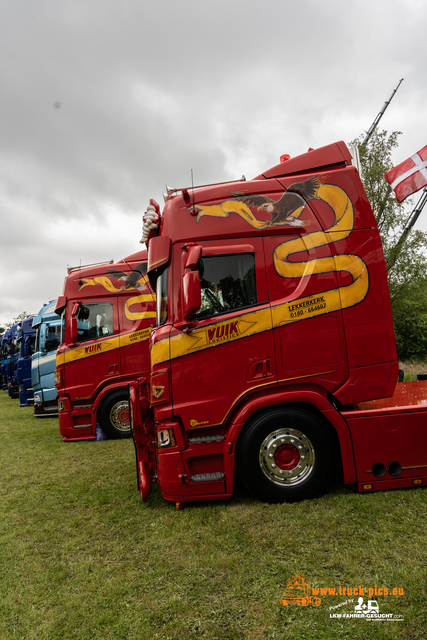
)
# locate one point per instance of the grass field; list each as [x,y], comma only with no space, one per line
[412,369]
[83,558]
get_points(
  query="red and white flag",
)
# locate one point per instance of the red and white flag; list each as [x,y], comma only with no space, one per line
[409,176]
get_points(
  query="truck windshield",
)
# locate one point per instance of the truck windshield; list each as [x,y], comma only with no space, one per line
[228,283]
[31,345]
[162,298]
[37,347]
[63,321]
[53,333]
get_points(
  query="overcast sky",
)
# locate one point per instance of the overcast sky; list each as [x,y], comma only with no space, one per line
[103,102]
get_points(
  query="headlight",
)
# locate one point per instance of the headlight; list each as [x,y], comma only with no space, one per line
[165,438]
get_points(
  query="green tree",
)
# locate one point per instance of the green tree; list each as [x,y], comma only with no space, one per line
[18,318]
[406,261]
[410,324]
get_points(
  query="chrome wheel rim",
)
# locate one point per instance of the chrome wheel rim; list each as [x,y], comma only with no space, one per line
[286,457]
[119,416]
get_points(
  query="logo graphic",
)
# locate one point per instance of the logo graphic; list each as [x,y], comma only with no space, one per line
[223,331]
[370,612]
[157,391]
[290,261]
[196,423]
[93,348]
[287,211]
[133,280]
[298,591]
[371,607]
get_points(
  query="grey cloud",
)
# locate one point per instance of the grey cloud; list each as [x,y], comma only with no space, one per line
[102,103]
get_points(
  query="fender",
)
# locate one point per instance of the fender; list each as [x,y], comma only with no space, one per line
[93,408]
[102,393]
[301,394]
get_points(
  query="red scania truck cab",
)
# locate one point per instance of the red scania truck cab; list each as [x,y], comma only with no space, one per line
[273,352]
[107,312]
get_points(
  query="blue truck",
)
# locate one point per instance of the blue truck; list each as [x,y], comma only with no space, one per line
[11,360]
[26,342]
[4,357]
[43,362]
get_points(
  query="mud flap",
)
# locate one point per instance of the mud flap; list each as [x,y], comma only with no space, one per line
[143,436]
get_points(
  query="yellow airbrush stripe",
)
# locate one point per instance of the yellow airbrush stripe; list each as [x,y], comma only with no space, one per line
[105,282]
[224,209]
[340,298]
[139,315]
[135,336]
[211,335]
[160,261]
[160,352]
[293,310]
[95,348]
[90,349]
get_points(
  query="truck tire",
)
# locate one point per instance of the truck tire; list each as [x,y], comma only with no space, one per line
[113,415]
[286,454]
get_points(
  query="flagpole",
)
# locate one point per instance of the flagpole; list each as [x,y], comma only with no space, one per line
[380,115]
[414,217]
[415,214]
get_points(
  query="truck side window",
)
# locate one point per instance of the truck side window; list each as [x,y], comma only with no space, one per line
[162,298]
[228,283]
[53,335]
[94,320]
[31,345]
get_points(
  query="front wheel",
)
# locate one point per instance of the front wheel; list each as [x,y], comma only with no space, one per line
[285,455]
[113,415]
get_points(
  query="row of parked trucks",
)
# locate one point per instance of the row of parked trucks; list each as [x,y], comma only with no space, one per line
[17,345]
[28,351]
[111,310]
[267,350]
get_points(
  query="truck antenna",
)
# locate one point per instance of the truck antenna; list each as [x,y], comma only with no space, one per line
[380,115]
[192,186]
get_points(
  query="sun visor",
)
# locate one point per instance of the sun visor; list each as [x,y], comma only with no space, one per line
[60,304]
[158,255]
[312,161]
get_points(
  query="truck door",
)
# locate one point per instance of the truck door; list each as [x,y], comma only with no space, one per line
[137,316]
[230,351]
[95,356]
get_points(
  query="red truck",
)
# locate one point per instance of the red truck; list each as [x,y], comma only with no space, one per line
[273,353]
[107,311]
[298,591]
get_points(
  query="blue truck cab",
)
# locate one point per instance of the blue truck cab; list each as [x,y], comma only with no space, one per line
[4,357]
[43,362]
[12,360]
[26,342]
